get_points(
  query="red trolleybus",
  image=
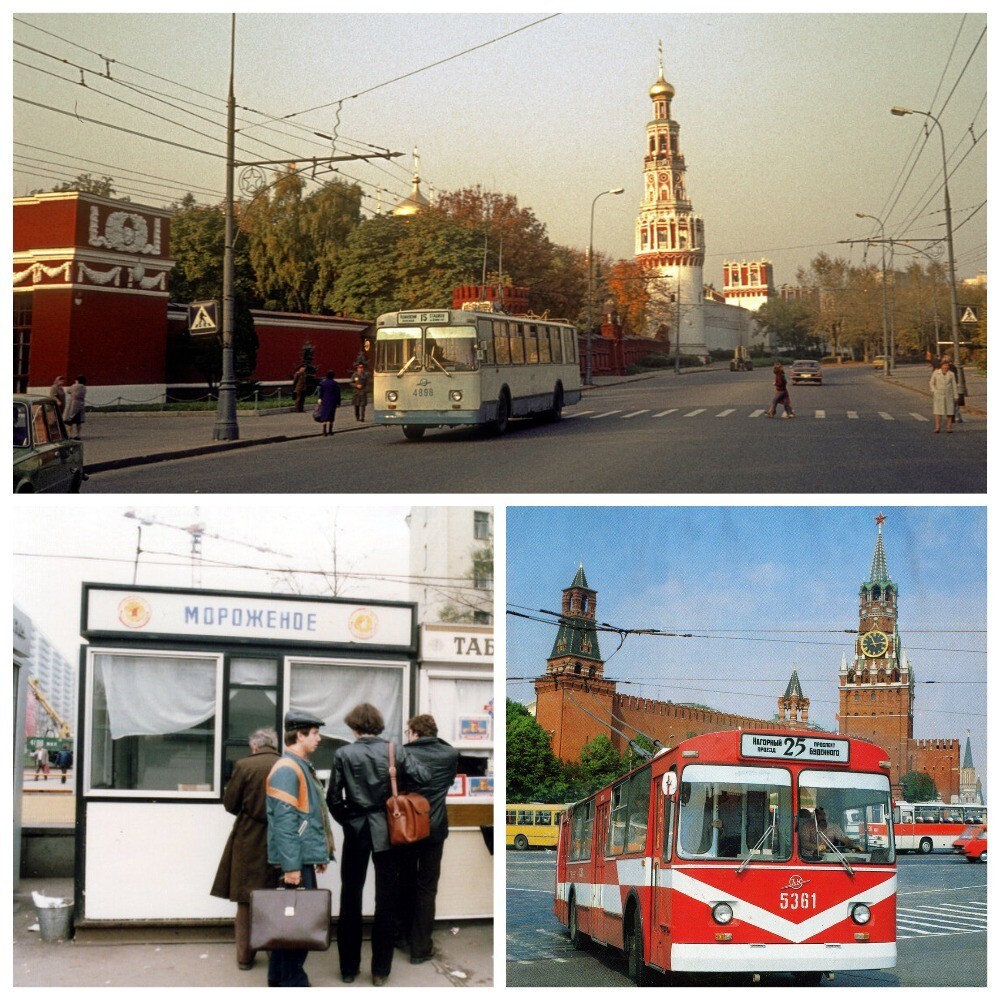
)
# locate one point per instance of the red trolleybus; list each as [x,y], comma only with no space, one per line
[737,851]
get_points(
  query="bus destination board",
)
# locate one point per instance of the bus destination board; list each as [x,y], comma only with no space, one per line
[766,745]
[424,317]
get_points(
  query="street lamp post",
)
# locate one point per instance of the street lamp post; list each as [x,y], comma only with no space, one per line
[885,322]
[959,370]
[589,376]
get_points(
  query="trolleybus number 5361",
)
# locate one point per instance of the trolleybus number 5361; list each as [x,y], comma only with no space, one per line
[797,901]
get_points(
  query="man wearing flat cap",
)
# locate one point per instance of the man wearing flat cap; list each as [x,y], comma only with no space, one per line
[299,838]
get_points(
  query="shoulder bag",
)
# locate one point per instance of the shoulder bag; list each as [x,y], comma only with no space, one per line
[290,919]
[409,815]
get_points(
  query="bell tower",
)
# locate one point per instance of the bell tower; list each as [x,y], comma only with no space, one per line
[669,237]
[576,650]
[877,684]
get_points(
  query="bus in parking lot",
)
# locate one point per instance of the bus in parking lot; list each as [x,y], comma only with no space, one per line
[462,368]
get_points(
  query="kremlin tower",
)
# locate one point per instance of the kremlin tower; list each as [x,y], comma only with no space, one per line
[669,237]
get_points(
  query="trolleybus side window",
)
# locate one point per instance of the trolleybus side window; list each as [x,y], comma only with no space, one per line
[582,833]
[501,342]
[555,336]
[617,819]
[668,822]
[544,351]
[638,812]
[569,345]
[531,344]
[486,342]
[517,343]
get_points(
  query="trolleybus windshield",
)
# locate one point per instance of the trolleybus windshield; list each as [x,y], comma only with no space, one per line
[728,811]
[438,349]
[846,814]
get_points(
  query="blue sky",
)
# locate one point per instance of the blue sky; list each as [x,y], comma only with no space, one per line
[695,569]
[784,118]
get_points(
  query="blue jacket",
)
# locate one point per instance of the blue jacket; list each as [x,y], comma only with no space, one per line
[298,826]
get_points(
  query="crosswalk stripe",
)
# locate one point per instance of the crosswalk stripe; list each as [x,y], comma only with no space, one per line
[725,413]
[581,413]
[852,415]
[919,416]
[610,413]
[821,414]
[694,413]
[886,416]
[665,412]
[629,416]
[756,413]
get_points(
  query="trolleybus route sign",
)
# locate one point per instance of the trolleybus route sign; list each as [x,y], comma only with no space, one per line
[423,317]
[794,747]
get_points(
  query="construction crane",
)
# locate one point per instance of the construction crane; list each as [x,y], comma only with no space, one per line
[196,532]
[63,727]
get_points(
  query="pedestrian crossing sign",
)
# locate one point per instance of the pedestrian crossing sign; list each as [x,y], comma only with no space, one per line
[969,315]
[203,317]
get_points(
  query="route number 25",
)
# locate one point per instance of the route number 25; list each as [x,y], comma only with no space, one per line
[795,746]
[798,901]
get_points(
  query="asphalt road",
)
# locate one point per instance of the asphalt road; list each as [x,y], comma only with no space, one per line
[941,931]
[700,433]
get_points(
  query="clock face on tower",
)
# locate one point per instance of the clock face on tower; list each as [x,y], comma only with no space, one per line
[874,644]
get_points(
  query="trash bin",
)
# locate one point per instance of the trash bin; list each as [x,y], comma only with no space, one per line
[55,922]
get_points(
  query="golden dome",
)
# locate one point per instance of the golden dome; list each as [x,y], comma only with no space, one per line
[661,88]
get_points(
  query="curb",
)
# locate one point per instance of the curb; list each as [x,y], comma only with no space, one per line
[975,410]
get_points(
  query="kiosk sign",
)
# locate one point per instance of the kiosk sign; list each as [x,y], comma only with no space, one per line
[778,747]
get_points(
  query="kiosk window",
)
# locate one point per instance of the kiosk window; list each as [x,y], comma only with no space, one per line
[459,706]
[252,697]
[154,723]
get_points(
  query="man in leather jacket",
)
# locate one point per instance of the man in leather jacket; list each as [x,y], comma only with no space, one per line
[420,863]
[359,788]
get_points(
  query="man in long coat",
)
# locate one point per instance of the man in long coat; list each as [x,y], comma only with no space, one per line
[244,865]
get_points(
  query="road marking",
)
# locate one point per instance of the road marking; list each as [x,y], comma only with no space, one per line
[601,416]
[919,416]
[852,415]
[694,413]
[515,888]
[581,413]
[756,413]
[665,412]
[885,416]
[725,413]
[821,414]
[629,416]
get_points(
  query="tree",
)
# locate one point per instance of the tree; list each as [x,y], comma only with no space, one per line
[473,603]
[531,764]
[790,321]
[627,283]
[918,786]
[600,763]
[104,186]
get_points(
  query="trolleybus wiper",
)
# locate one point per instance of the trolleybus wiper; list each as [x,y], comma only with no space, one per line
[836,850]
[769,832]
[441,366]
[399,374]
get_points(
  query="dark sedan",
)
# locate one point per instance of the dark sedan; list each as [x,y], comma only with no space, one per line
[45,459]
[807,371]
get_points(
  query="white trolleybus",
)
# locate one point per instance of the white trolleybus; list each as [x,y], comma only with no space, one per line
[737,852]
[457,368]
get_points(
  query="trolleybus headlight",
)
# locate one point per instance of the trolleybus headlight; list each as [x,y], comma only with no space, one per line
[392,395]
[722,913]
[456,395]
[860,914]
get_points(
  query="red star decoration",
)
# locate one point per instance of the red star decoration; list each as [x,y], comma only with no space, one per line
[880,519]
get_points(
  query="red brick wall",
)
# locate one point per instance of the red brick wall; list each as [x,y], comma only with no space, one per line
[569,727]
[941,759]
[880,714]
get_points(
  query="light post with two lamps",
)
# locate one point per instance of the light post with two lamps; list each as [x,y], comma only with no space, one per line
[885,322]
[959,370]
[589,375]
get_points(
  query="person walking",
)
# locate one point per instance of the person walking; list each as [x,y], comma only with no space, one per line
[781,393]
[76,408]
[299,838]
[300,388]
[359,788]
[329,400]
[420,863]
[64,761]
[244,866]
[57,391]
[943,389]
[359,383]
[41,756]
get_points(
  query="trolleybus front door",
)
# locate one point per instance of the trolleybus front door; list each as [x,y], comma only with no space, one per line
[661,916]
[605,870]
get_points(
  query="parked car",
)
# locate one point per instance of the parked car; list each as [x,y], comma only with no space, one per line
[970,832]
[807,371]
[879,361]
[45,459]
[975,849]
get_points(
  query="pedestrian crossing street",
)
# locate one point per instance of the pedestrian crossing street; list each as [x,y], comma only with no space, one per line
[941,919]
[685,413]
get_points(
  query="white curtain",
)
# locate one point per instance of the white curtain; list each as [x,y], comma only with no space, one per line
[154,695]
[449,698]
[257,672]
[331,690]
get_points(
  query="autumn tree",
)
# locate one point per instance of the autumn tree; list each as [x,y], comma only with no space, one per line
[103,186]
[790,322]
[628,287]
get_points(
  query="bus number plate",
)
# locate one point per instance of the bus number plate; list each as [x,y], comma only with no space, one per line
[424,391]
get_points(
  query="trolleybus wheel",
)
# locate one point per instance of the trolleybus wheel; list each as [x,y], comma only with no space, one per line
[412,432]
[520,842]
[555,414]
[638,971]
[926,845]
[807,978]
[502,420]
[577,938]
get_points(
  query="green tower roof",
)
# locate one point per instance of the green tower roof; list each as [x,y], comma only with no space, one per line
[577,635]
[580,580]
[880,568]
[794,689]
[967,763]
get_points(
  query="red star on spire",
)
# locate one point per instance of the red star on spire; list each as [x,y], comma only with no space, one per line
[880,519]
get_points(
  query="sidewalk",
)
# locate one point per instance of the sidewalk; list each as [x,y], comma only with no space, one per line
[915,379]
[205,956]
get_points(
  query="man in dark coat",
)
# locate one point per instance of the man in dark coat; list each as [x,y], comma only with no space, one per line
[420,863]
[244,866]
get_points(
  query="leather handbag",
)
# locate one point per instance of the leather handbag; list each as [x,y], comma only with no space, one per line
[290,919]
[409,815]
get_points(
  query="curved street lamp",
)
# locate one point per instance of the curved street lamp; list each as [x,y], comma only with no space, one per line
[959,370]
[589,375]
[885,324]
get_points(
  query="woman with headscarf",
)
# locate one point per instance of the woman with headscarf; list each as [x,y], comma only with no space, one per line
[329,400]
[944,389]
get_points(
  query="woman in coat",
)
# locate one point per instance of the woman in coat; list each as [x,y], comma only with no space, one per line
[329,400]
[76,408]
[780,393]
[944,390]
[359,788]
[244,866]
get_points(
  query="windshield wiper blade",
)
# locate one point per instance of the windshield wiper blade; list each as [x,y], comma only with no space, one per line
[757,847]
[399,374]
[836,850]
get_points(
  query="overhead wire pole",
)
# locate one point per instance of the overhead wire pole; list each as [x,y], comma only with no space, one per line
[226,426]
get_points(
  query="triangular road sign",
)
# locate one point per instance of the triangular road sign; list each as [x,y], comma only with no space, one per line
[202,320]
[969,315]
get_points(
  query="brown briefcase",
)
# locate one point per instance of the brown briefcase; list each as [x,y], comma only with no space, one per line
[290,919]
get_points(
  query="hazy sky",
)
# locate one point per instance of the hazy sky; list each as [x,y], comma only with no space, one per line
[766,572]
[57,547]
[784,118]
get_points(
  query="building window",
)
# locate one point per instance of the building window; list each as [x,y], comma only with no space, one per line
[252,697]
[22,339]
[481,525]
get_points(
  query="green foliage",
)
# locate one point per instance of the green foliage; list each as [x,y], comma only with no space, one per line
[531,765]
[104,186]
[791,323]
[918,786]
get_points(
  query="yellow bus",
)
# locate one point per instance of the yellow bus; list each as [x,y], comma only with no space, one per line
[533,824]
